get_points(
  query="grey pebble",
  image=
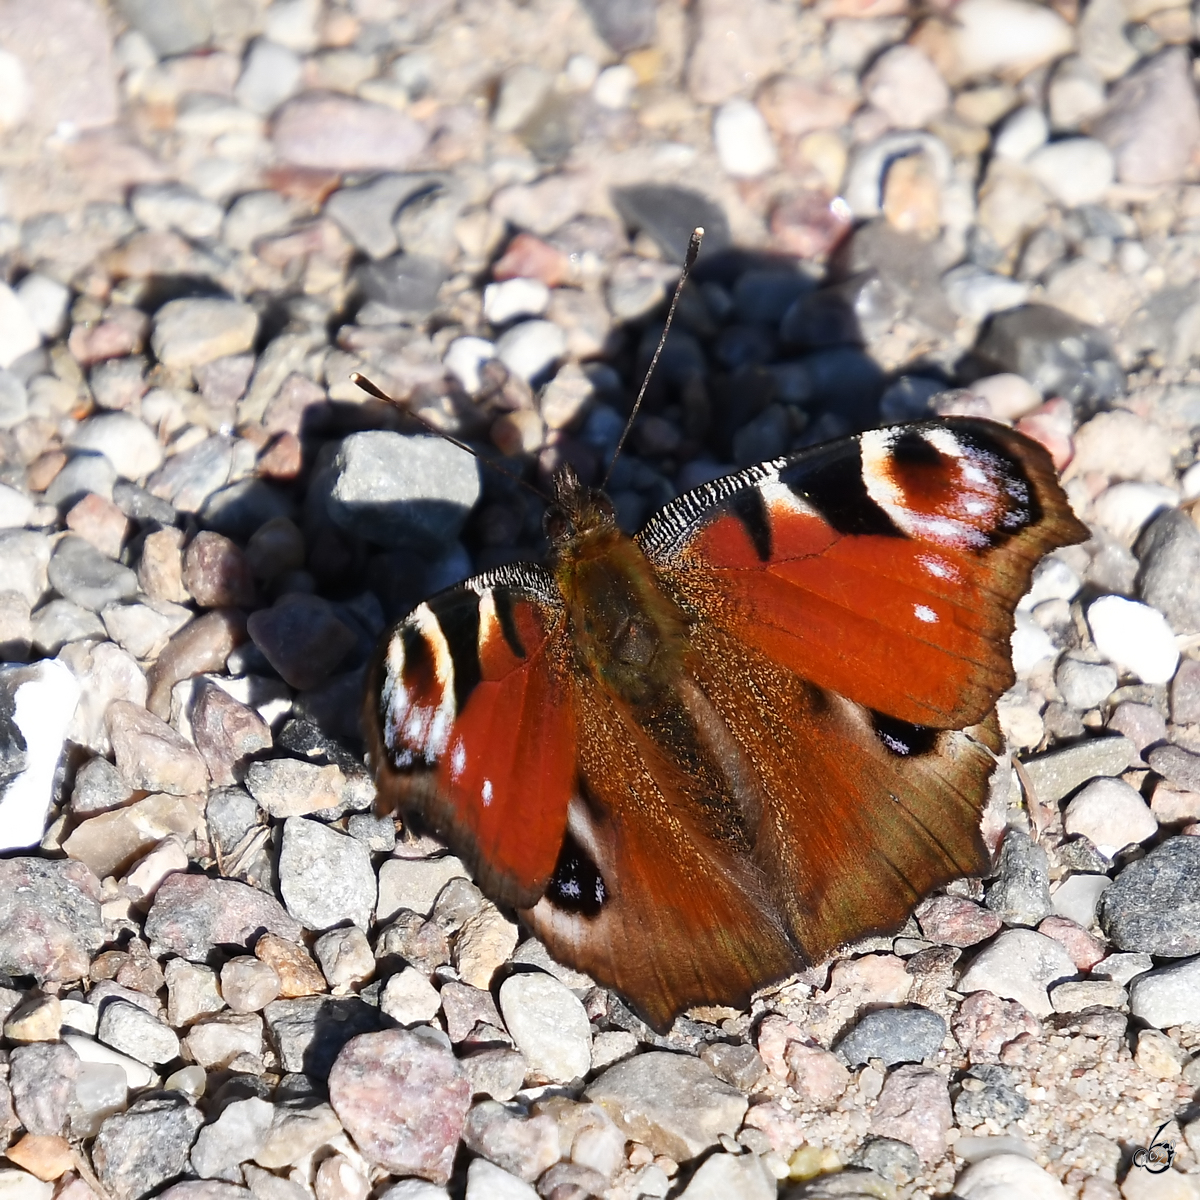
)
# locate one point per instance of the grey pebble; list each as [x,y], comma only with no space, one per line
[325,877]
[1168,996]
[1058,773]
[236,1136]
[61,621]
[188,479]
[42,1079]
[14,399]
[989,1093]
[139,1150]
[133,1031]
[1154,904]
[893,1160]
[50,922]
[1085,685]
[895,1035]
[309,1032]
[668,213]
[86,471]
[1181,767]
[1021,895]
[175,29]
[405,286]
[1169,573]
[79,572]
[398,490]
[1185,693]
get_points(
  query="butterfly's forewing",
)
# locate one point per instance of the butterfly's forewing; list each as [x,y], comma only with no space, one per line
[470,724]
[885,567]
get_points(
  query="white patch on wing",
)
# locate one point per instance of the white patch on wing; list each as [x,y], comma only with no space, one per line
[939,568]
[780,499]
[458,760]
[489,622]
[959,529]
[412,723]
[485,793]
[924,613]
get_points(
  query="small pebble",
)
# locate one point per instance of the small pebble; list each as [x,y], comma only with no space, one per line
[1019,965]
[549,1025]
[1154,903]
[894,1035]
[914,1107]
[1167,996]
[325,877]
[1111,815]
[530,349]
[743,141]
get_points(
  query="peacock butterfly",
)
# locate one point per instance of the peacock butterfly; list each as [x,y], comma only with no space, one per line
[697,759]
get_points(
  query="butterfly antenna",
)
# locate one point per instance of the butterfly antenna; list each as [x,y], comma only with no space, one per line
[688,262]
[374,390]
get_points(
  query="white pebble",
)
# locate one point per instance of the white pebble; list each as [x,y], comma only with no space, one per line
[513,298]
[1078,897]
[409,998]
[1111,815]
[975,294]
[18,333]
[46,302]
[15,507]
[1134,636]
[1190,483]
[129,444]
[464,356]
[486,1181]
[615,86]
[1007,1177]
[991,35]
[1124,508]
[1031,644]
[531,348]
[1053,579]
[549,1025]
[1009,396]
[1075,171]
[905,85]
[743,140]
[1022,133]
[1019,965]
[20,1185]
[1168,996]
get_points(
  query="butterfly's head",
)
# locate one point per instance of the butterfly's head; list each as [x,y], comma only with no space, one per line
[576,510]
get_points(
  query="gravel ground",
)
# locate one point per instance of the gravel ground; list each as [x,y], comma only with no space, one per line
[222,974]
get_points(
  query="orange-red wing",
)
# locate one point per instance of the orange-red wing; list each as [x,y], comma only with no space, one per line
[885,567]
[656,893]
[470,724]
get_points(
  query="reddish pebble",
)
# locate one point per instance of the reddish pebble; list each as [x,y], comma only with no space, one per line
[403,1099]
[809,224]
[282,459]
[914,1107]
[100,522]
[1051,425]
[985,1024]
[226,733]
[160,569]
[120,334]
[216,573]
[41,472]
[201,645]
[954,921]
[528,257]
[815,1074]
[1085,950]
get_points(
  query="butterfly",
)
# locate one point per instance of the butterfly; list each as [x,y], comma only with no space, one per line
[698,759]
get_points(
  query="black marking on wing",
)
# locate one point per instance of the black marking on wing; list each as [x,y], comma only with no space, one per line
[576,885]
[1026,508]
[750,509]
[910,448]
[457,613]
[901,738]
[503,599]
[832,482]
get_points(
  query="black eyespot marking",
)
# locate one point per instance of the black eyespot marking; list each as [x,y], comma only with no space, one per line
[502,597]
[457,613]
[909,448]
[749,508]
[901,738]
[833,484]
[576,885]
[1025,507]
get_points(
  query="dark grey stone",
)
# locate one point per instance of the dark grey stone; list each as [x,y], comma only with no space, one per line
[1185,693]
[310,1032]
[1059,355]
[989,1092]
[98,787]
[1154,904]
[1169,576]
[79,572]
[623,24]
[896,1161]
[1021,894]
[50,921]
[667,214]
[366,212]
[895,1035]
[405,284]
[242,507]
[85,472]
[762,296]
[139,1150]
[61,621]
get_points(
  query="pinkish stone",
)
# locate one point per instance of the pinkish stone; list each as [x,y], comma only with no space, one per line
[200,646]
[955,921]
[774,1035]
[783,1128]
[403,1099]
[192,913]
[815,1074]
[1085,950]
[339,133]
[151,755]
[914,1107]
[985,1024]
[100,522]
[227,732]
[216,573]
